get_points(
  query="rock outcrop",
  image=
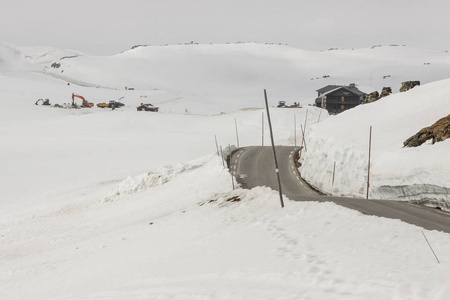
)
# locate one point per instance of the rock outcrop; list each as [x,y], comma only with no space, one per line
[372,97]
[438,132]
[407,85]
[386,91]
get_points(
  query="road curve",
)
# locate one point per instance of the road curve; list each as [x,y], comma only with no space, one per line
[255,166]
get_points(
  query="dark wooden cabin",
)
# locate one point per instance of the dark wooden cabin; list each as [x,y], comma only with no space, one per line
[338,98]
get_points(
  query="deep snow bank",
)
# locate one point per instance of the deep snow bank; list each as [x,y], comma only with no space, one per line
[193,237]
[396,172]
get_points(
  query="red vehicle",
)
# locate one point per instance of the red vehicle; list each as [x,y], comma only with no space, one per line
[85,103]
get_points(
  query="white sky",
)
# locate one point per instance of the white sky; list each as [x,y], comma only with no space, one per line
[104,27]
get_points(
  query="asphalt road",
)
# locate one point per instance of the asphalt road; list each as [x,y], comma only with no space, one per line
[255,166]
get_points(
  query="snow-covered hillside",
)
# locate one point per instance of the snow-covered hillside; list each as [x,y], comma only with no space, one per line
[45,56]
[243,70]
[206,78]
[12,59]
[120,204]
[421,173]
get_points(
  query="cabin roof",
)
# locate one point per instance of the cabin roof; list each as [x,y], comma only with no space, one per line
[332,88]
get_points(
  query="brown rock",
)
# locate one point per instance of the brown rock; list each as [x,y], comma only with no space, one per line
[438,132]
[386,91]
[407,85]
[374,96]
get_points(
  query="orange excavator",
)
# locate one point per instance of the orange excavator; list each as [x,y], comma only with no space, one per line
[85,103]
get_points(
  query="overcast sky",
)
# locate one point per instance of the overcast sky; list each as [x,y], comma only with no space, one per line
[104,27]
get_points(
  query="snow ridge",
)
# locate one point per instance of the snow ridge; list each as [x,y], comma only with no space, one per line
[136,184]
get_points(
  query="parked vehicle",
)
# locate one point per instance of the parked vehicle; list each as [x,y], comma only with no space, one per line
[44,102]
[112,104]
[284,105]
[85,103]
[147,107]
[103,105]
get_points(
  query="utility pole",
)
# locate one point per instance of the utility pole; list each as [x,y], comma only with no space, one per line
[274,152]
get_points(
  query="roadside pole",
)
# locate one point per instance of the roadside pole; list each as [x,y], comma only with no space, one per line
[295,131]
[306,118]
[221,155]
[334,170]
[368,166]
[429,245]
[217,146]
[303,137]
[262,123]
[237,136]
[274,152]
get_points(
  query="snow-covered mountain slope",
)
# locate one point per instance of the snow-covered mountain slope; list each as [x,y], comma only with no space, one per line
[12,59]
[243,70]
[120,204]
[396,172]
[26,59]
[45,56]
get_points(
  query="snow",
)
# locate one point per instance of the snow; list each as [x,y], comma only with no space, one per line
[120,204]
[396,172]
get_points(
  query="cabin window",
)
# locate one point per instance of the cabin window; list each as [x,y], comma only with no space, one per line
[342,99]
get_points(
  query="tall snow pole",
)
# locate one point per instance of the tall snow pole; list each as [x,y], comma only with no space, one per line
[237,136]
[306,118]
[217,146]
[303,137]
[334,170]
[295,131]
[262,126]
[368,166]
[221,155]
[231,172]
[274,152]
